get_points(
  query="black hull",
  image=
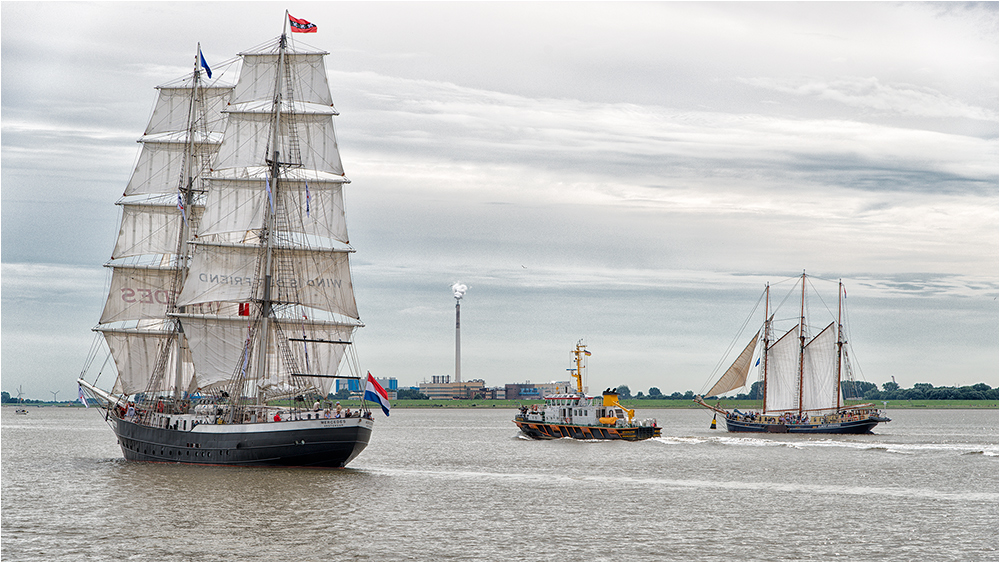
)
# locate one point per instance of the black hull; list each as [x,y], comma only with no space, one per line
[307,443]
[549,431]
[864,426]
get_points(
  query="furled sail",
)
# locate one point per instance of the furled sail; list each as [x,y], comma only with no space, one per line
[736,376]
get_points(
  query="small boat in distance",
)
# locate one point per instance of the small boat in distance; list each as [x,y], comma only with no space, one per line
[20,402]
[576,415]
[802,374]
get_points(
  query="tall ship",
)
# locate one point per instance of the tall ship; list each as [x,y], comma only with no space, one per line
[577,415]
[231,308]
[802,372]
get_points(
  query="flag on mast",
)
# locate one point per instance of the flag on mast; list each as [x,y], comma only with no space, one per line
[204,65]
[374,392]
[300,25]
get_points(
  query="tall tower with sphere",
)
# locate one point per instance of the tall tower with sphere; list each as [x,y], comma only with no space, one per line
[458,289]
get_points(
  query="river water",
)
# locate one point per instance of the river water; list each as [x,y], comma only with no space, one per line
[453,484]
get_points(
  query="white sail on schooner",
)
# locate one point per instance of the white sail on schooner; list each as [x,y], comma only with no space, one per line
[231,287]
[802,377]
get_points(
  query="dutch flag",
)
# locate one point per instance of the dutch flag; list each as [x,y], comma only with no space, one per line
[375,393]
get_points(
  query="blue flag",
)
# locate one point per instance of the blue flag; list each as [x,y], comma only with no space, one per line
[208,71]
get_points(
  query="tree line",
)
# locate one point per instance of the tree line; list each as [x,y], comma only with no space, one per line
[852,390]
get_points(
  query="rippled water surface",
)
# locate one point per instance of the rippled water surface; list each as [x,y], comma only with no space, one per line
[448,484]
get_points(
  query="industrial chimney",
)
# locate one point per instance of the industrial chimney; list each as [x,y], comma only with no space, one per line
[458,289]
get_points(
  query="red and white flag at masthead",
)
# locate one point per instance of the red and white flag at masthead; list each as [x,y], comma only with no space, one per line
[300,25]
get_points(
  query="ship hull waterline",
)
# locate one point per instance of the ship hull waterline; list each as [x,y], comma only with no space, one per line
[550,431]
[325,443]
[864,426]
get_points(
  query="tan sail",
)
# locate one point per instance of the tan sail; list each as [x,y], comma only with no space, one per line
[736,376]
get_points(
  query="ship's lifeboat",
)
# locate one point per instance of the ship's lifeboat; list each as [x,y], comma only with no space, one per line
[609,420]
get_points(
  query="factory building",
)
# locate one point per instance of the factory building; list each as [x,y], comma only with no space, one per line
[356,386]
[529,392]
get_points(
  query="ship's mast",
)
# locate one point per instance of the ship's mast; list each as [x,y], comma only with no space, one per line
[268,234]
[187,195]
[767,329]
[580,351]
[802,339]
[840,337]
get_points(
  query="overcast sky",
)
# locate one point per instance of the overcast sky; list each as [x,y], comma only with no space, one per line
[631,174]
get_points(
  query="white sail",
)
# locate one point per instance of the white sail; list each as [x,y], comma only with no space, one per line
[136,352]
[138,293]
[238,206]
[228,272]
[218,348]
[820,383]
[280,224]
[187,305]
[162,164]
[782,390]
[183,134]
[151,226]
[736,376]
[309,81]
[173,106]
[306,138]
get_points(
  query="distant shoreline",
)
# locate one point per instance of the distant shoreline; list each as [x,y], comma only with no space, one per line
[631,403]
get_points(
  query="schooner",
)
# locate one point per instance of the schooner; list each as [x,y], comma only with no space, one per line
[802,370]
[231,309]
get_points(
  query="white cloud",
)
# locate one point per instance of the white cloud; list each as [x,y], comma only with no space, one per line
[869,93]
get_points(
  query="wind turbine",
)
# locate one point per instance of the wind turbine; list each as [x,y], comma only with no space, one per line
[54,393]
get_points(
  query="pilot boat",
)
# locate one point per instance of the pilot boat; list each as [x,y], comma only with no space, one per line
[577,415]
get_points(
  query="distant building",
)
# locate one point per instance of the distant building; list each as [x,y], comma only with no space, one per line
[536,391]
[354,386]
[442,387]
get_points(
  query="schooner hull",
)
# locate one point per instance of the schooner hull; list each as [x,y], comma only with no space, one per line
[326,443]
[848,427]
